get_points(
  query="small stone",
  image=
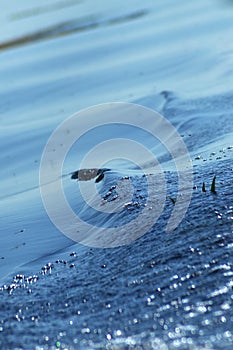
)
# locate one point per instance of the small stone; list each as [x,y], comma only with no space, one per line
[107,195]
[73,254]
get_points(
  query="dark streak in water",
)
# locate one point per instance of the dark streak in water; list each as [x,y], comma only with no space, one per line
[36,11]
[70,27]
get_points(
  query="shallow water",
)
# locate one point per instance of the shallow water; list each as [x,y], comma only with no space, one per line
[163,291]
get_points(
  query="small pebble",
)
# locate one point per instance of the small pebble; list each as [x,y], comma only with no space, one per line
[73,254]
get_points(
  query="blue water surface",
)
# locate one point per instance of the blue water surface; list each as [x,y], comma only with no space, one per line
[162,291]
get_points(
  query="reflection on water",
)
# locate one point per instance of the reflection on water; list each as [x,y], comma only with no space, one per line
[70,27]
[38,10]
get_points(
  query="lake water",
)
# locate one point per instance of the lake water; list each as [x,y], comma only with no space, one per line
[164,290]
